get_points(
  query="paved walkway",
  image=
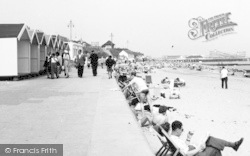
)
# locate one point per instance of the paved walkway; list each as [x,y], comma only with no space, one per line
[88,116]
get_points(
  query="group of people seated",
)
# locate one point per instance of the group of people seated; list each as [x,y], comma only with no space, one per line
[148,114]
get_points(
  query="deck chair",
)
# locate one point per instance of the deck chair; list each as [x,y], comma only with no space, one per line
[164,148]
[172,147]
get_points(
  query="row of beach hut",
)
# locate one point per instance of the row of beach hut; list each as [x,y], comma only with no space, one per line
[23,51]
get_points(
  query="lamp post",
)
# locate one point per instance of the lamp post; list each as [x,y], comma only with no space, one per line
[70,26]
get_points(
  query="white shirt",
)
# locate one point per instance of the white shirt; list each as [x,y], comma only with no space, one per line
[53,60]
[180,143]
[160,119]
[224,73]
[138,83]
[66,56]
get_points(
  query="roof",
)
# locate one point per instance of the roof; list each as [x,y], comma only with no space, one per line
[33,36]
[31,33]
[173,57]
[115,52]
[108,43]
[54,41]
[129,51]
[48,40]
[62,38]
[194,56]
[10,30]
[66,46]
[40,36]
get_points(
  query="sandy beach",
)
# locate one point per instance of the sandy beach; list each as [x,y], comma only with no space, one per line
[206,107]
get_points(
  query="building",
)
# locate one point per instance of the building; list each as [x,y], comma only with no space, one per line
[219,54]
[15,50]
[127,55]
[108,45]
[34,52]
[42,48]
[49,44]
[74,47]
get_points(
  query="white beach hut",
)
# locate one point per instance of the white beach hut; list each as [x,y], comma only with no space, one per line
[55,43]
[60,46]
[49,44]
[66,47]
[42,48]
[61,41]
[14,50]
[34,52]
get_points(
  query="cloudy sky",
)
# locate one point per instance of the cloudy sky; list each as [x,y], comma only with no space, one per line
[154,27]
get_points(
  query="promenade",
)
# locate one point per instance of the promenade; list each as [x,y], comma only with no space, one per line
[89,116]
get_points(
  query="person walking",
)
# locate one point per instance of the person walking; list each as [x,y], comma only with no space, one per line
[224,77]
[94,62]
[54,66]
[80,61]
[47,64]
[109,63]
[59,64]
[102,61]
[66,59]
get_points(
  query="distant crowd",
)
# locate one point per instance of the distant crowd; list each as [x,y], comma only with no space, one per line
[57,64]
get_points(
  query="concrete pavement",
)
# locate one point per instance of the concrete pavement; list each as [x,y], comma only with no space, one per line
[89,116]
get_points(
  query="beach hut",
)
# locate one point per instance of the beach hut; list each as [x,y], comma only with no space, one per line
[61,41]
[42,48]
[49,44]
[60,46]
[34,52]
[66,46]
[14,50]
[55,43]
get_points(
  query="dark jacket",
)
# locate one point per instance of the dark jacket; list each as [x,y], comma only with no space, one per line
[110,62]
[94,59]
[80,60]
[47,61]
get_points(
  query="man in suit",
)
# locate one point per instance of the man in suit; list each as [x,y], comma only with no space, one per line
[94,62]
[80,61]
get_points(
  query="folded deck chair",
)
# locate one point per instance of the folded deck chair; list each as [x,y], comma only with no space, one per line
[172,147]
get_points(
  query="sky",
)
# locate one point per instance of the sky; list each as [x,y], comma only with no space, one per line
[153,27]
